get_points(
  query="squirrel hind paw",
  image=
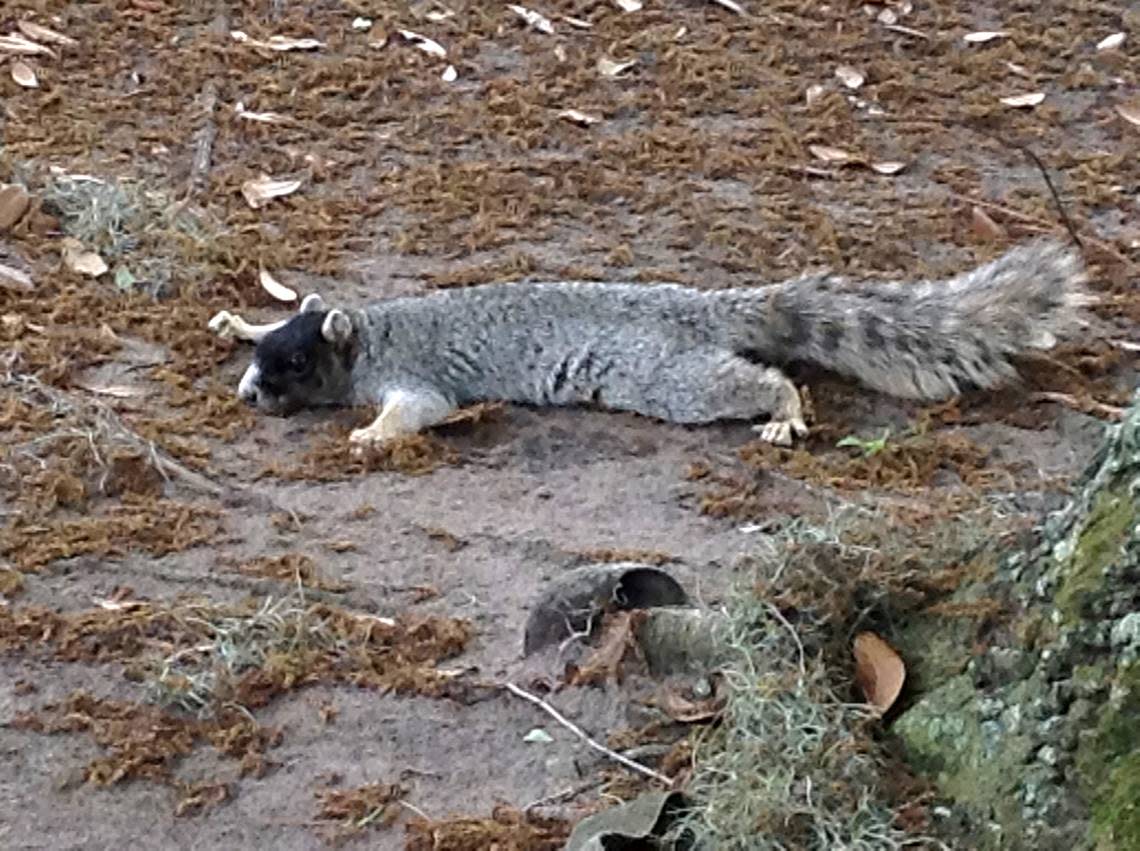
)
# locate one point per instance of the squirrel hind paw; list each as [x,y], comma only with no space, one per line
[781,432]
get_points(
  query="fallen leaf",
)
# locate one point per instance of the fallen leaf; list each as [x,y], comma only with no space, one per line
[437,15]
[985,227]
[604,662]
[1026,100]
[1111,42]
[887,16]
[849,76]
[1130,112]
[889,167]
[23,74]
[984,36]
[14,202]
[115,391]
[262,190]
[80,260]
[629,5]
[15,279]
[263,117]
[362,24]
[579,117]
[829,154]
[681,32]
[879,671]
[731,5]
[578,23]
[427,45]
[124,278]
[534,19]
[814,93]
[560,53]
[449,75]
[538,736]
[14,43]
[610,68]
[274,287]
[38,33]
[280,43]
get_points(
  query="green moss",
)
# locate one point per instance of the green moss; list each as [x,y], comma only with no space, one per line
[1108,764]
[1116,815]
[974,762]
[1105,532]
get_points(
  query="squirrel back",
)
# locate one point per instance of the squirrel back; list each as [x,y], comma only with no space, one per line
[922,340]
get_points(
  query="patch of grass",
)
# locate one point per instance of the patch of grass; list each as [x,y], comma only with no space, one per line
[793,765]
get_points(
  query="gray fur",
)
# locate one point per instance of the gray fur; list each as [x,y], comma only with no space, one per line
[672,352]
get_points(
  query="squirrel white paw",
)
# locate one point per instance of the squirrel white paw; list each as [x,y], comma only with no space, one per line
[222,324]
[780,432]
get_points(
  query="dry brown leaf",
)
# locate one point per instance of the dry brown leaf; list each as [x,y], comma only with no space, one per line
[852,78]
[262,190]
[830,155]
[609,68]
[604,663]
[427,45]
[15,279]
[22,47]
[1111,42]
[1130,112]
[731,5]
[578,117]
[14,202]
[533,19]
[38,33]
[985,227]
[879,671]
[274,287]
[80,260]
[1025,100]
[983,36]
[24,75]
[280,43]
[262,117]
[889,167]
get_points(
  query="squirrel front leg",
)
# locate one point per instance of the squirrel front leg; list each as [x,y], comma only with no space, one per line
[404,412]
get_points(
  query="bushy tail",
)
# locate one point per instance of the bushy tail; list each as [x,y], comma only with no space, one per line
[924,340]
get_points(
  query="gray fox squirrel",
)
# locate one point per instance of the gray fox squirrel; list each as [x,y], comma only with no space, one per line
[666,351]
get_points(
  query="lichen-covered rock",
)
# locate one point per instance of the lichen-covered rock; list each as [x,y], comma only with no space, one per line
[1039,743]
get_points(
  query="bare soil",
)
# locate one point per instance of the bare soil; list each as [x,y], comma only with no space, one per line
[700,171]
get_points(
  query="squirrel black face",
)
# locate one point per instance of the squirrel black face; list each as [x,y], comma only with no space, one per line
[307,362]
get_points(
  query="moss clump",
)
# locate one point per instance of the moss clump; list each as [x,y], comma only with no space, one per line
[1108,762]
[1104,534]
[1116,815]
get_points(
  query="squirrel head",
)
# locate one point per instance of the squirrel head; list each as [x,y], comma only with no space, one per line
[305,363]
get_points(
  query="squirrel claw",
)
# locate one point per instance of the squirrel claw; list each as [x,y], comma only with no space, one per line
[780,432]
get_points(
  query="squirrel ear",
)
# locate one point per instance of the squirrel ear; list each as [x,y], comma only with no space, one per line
[312,303]
[337,327]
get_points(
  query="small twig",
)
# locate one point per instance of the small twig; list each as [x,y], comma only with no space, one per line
[204,140]
[563,796]
[1087,405]
[581,734]
[1052,191]
[795,637]
[1025,218]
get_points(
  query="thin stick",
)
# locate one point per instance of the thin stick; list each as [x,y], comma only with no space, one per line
[580,733]
[795,637]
